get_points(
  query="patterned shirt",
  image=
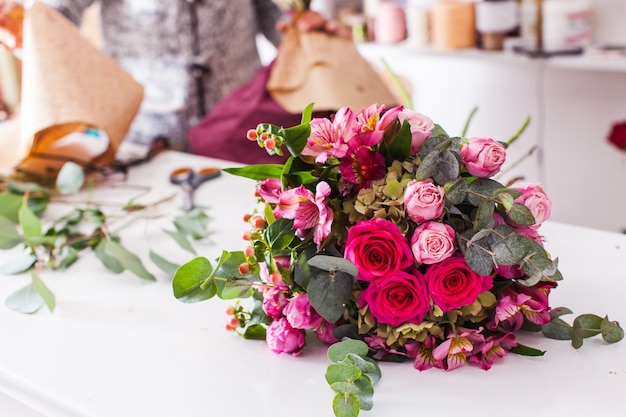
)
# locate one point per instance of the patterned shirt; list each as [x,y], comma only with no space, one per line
[188,54]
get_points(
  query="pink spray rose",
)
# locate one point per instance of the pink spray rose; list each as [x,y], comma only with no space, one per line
[300,314]
[423,200]
[325,332]
[483,157]
[535,199]
[452,284]
[282,338]
[275,300]
[397,298]
[432,242]
[378,248]
[421,128]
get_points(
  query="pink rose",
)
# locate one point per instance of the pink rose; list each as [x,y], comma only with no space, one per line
[398,298]
[325,332]
[378,248]
[421,128]
[535,199]
[432,242]
[452,284]
[483,157]
[282,338]
[275,300]
[423,200]
[300,314]
[269,190]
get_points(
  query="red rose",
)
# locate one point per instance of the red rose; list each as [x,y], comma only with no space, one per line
[399,298]
[378,248]
[452,284]
[617,136]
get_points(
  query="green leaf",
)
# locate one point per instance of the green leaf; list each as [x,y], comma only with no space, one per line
[339,351]
[334,263]
[307,113]
[484,215]
[127,259]
[521,215]
[481,189]
[228,265]
[400,146]
[366,394]
[577,335]
[43,291]
[590,324]
[189,279]
[257,172]
[611,331]
[477,255]
[511,250]
[25,300]
[280,234]
[9,206]
[557,329]
[559,311]
[70,178]
[236,288]
[182,240]
[296,138]
[456,190]
[108,261]
[527,350]
[9,236]
[165,265]
[342,372]
[347,387]
[17,263]
[193,223]
[30,223]
[440,164]
[328,293]
[255,332]
[367,365]
[346,405]
[439,131]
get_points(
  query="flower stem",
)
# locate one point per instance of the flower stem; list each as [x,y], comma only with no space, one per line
[398,83]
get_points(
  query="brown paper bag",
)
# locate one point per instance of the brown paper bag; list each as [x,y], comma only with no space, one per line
[67,85]
[316,67]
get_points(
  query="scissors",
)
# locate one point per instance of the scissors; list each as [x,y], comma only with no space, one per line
[189,180]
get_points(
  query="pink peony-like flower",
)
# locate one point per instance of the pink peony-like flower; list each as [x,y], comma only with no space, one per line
[432,242]
[423,200]
[300,314]
[282,338]
[329,138]
[421,128]
[275,300]
[307,210]
[452,284]
[378,248]
[269,190]
[398,298]
[483,157]
[362,167]
[535,199]
[325,332]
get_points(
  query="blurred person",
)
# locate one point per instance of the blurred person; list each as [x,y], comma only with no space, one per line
[188,54]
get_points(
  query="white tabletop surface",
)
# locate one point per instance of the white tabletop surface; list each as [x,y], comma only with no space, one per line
[119,346]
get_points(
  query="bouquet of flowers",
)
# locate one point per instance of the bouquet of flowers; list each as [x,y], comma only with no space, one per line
[383,229]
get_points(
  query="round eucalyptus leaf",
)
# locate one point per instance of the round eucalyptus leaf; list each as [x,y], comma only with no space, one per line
[330,263]
[70,178]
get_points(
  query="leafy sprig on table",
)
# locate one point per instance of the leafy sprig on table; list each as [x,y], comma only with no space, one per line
[56,243]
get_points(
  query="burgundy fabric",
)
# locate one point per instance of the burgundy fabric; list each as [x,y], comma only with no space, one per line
[222,133]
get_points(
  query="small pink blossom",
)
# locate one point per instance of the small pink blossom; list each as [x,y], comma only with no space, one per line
[329,138]
[421,128]
[423,200]
[282,338]
[483,157]
[300,314]
[269,190]
[432,242]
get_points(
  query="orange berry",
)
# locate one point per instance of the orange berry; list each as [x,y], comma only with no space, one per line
[264,136]
[247,235]
[249,251]
[246,217]
[258,222]
[251,134]
[244,268]
[270,144]
[230,310]
[276,277]
[234,323]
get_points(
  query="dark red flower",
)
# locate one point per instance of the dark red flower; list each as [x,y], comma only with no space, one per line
[617,136]
[363,167]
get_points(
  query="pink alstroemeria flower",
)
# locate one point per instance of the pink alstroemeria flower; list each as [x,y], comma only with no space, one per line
[494,347]
[329,137]
[371,125]
[307,210]
[530,303]
[457,349]
[269,190]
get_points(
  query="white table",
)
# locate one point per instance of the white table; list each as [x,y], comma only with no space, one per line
[119,346]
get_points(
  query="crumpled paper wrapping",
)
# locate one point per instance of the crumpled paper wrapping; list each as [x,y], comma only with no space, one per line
[317,67]
[67,84]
